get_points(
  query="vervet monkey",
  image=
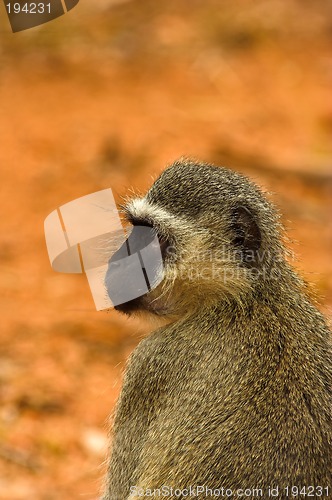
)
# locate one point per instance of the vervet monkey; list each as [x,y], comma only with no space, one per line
[234,391]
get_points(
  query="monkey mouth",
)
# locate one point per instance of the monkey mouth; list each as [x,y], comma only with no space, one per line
[144,304]
[129,307]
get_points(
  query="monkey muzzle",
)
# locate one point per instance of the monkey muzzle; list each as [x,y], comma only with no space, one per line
[86,236]
[136,268]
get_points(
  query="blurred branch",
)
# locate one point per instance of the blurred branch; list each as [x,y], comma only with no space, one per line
[18,457]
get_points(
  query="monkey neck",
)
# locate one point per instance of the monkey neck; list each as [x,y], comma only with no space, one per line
[268,343]
[273,325]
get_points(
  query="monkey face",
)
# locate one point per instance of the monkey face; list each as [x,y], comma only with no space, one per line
[191,271]
[211,225]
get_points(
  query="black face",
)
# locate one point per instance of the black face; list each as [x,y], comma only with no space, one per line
[132,270]
[130,307]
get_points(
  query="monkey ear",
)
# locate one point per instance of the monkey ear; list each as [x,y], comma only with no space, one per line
[247,235]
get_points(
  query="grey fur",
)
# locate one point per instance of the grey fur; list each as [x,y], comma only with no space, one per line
[235,391]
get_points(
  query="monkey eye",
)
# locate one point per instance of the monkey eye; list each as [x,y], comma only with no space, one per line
[165,248]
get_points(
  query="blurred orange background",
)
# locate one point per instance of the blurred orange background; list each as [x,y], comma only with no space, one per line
[106,96]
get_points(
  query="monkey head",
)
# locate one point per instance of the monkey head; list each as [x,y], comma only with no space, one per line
[218,237]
